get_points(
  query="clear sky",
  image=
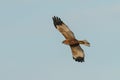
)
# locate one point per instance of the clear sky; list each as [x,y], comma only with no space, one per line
[31,48]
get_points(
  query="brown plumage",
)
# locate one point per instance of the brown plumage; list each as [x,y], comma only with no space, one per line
[77,51]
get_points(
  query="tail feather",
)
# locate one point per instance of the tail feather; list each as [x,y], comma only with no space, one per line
[84,42]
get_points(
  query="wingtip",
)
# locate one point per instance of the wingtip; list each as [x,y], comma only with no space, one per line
[79,59]
[57,21]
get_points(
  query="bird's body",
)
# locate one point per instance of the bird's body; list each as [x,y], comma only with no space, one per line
[77,51]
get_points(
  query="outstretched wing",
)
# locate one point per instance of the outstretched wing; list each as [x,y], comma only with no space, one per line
[62,27]
[78,53]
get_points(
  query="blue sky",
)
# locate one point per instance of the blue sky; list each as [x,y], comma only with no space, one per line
[31,48]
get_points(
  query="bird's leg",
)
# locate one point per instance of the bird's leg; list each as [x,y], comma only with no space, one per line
[84,42]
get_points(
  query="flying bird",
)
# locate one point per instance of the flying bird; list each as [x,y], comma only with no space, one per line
[77,51]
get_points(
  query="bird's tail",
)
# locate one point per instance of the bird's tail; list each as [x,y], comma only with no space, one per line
[84,42]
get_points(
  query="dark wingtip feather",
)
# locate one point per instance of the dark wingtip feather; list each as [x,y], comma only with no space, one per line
[79,59]
[57,21]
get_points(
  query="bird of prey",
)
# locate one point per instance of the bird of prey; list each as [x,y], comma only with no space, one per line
[77,51]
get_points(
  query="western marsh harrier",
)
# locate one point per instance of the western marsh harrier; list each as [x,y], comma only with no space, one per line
[77,51]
